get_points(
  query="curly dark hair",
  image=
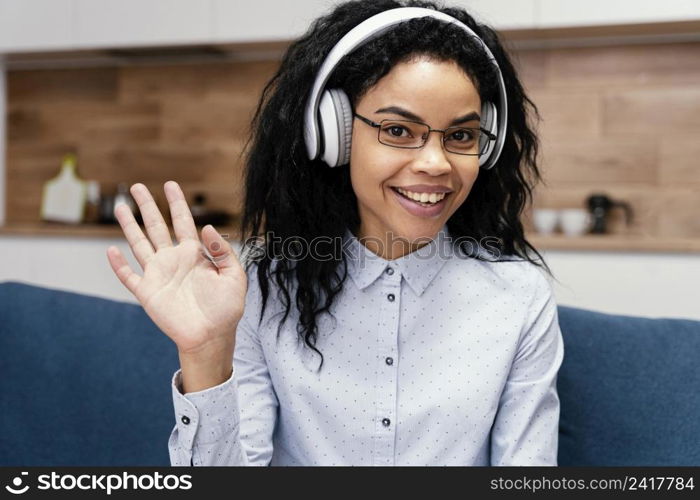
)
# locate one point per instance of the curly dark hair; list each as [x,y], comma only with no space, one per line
[292,197]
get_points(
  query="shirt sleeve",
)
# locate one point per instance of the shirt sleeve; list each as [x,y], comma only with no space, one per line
[232,423]
[526,427]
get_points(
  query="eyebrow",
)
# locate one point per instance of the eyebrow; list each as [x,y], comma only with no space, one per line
[411,116]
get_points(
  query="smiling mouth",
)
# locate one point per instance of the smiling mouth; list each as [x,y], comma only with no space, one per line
[439,197]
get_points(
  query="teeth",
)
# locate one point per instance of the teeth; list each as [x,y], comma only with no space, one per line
[422,197]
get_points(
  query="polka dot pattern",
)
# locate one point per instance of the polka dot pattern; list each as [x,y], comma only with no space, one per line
[475,348]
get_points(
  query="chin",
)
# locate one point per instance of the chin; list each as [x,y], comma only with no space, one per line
[416,229]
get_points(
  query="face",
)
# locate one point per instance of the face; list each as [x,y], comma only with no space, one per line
[436,93]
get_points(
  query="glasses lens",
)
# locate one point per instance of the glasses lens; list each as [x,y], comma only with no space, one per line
[402,134]
[465,141]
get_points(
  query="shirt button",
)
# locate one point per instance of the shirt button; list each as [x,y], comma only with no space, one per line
[389,361]
[390,297]
[390,270]
[386,422]
[185,419]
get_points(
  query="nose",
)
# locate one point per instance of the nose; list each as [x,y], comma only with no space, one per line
[432,157]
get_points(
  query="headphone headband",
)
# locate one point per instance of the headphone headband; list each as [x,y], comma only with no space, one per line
[367,30]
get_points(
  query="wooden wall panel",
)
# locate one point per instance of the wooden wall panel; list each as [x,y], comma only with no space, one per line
[623,66]
[563,111]
[147,124]
[680,157]
[194,81]
[620,120]
[531,66]
[599,161]
[658,112]
[49,86]
[86,122]
[623,121]
[679,213]
[207,122]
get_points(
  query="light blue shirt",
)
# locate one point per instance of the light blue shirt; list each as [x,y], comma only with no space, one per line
[435,359]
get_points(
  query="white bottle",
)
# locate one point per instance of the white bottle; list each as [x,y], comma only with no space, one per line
[64,196]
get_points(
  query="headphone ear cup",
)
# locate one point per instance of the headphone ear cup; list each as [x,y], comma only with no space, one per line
[328,129]
[335,113]
[489,121]
[343,113]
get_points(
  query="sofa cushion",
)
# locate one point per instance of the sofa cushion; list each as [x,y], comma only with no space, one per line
[629,390]
[86,381]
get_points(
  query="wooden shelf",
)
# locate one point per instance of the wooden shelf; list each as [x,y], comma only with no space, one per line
[84,230]
[615,243]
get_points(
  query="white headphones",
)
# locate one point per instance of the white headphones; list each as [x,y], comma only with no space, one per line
[328,116]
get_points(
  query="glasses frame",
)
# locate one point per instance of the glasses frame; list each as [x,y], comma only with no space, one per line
[378,125]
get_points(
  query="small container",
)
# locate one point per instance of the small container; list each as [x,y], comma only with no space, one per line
[109,202]
[199,208]
[92,205]
[574,221]
[63,197]
[545,220]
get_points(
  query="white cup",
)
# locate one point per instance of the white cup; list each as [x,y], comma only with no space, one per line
[545,220]
[574,221]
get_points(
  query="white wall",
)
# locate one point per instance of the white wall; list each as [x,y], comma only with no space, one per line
[625,283]
[67,263]
[637,284]
[76,264]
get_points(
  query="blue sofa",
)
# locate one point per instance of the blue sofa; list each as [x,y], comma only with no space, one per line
[85,381]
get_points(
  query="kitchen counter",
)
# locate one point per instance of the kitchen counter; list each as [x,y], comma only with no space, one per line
[610,242]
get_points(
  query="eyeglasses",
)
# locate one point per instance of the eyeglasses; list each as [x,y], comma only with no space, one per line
[410,134]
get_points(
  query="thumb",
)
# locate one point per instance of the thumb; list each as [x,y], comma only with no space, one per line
[221,252]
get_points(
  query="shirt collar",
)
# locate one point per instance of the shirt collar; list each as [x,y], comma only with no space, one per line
[418,268]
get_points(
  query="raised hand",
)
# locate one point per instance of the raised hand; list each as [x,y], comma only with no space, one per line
[194,301]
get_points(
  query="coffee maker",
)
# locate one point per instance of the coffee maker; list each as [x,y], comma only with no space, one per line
[600,205]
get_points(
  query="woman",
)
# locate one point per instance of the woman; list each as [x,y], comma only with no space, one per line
[393,314]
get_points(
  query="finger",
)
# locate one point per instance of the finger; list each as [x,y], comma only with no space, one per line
[221,252]
[122,269]
[183,224]
[140,246]
[153,220]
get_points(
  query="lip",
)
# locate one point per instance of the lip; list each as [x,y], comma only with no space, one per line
[425,188]
[419,211]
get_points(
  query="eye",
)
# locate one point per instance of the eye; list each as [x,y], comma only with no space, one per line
[396,130]
[462,135]
[401,134]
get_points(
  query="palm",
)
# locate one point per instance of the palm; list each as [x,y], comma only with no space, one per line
[192,300]
[187,297]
